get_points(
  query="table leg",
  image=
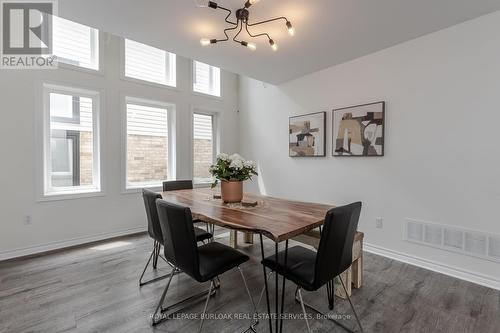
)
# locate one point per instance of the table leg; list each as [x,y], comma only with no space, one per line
[233,238]
[276,291]
[248,237]
[283,288]
[357,272]
[265,283]
[278,315]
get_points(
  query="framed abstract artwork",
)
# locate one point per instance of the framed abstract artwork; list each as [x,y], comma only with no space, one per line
[359,130]
[307,135]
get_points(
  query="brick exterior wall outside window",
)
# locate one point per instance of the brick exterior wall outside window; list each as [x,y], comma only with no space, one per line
[147,158]
[202,158]
[86,158]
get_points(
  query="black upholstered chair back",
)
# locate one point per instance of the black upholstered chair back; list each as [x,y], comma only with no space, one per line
[174,185]
[335,247]
[179,239]
[154,228]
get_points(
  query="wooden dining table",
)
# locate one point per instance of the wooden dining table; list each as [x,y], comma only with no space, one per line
[277,219]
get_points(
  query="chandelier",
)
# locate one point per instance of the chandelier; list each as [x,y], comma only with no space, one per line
[242,21]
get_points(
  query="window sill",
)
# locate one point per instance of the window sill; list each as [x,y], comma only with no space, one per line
[215,97]
[56,196]
[125,78]
[63,65]
[138,188]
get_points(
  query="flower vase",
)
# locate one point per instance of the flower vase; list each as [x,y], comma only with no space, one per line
[231,191]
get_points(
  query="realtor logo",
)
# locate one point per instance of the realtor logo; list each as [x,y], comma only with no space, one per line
[27,34]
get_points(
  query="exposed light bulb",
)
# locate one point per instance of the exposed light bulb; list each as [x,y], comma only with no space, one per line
[250,3]
[274,46]
[251,46]
[291,29]
[206,41]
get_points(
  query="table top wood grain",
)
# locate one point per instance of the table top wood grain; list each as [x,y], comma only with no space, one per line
[277,219]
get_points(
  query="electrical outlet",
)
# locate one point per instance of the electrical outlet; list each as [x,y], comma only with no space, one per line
[27,219]
[379,223]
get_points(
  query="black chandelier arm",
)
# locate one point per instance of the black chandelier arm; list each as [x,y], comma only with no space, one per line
[229,12]
[225,33]
[258,35]
[267,21]
[239,31]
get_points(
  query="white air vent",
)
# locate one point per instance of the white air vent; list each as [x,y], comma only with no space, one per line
[433,234]
[469,242]
[475,243]
[415,231]
[453,239]
[494,247]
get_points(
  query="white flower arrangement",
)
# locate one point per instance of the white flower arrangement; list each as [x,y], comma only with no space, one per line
[232,168]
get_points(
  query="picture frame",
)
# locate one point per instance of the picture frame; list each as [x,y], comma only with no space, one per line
[359,130]
[307,135]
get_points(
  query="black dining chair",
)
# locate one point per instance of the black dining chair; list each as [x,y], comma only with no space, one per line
[185,184]
[310,270]
[174,185]
[155,233]
[203,263]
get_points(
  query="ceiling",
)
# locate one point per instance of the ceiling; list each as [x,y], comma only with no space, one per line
[328,32]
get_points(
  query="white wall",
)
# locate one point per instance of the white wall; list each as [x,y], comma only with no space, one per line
[442,160]
[66,222]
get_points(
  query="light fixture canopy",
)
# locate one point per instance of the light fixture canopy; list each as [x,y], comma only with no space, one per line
[242,21]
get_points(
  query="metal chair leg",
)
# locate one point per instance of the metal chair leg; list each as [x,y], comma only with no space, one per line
[256,306]
[248,290]
[145,267]
[330,292]
[264,288]
[304,310]
[352,306]
[298,300]
[217,283]
[154,255]
[206,305]
[162,299]
[156,252]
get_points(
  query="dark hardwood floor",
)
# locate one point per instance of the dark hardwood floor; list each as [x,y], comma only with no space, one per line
[95,289]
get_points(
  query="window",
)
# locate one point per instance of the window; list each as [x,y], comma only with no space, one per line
[148,63]
[71,150]
[75,44]
[147,142]
[203,147]
[206,79]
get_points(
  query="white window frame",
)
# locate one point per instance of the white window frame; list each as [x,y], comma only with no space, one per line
[171,135]
[216,138]
[193,80]
[46,191]
[100,58]
[173,86]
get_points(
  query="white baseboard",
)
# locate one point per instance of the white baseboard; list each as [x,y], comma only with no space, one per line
[26,251]
[484,280]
